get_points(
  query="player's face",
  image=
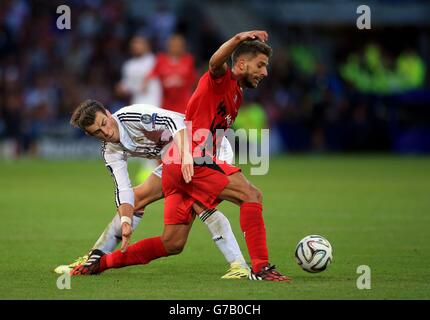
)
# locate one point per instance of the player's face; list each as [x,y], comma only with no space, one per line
[255,69]
[138,46]
[176,46]
[104,128]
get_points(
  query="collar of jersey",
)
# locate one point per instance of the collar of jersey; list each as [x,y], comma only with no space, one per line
[124,138]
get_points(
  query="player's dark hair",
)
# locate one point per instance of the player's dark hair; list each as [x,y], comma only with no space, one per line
[85,114]
[251,47]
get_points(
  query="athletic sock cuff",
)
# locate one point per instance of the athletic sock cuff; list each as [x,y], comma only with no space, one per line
[251,205]
[206,214]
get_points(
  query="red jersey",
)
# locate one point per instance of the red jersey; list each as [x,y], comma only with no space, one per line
[213,105]
[177,77]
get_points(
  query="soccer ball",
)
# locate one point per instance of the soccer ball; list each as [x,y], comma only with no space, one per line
[314,253]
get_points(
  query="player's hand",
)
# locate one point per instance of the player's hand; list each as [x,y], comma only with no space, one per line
[127,230]
[254,35]
[187,167]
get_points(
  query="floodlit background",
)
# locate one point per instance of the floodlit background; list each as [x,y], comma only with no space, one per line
[332,87]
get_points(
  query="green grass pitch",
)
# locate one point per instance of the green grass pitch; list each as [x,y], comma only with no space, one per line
[375,210]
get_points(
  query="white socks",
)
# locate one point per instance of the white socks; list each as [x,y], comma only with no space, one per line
[112,235]
[223,236]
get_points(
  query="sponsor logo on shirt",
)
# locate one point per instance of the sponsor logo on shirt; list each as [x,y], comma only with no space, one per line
[228,119]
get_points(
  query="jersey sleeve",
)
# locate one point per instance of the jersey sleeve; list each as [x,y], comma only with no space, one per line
[116,162]
[171,121]
[219,84]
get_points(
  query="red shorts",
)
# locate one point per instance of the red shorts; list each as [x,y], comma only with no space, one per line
[177,209]
[208,181]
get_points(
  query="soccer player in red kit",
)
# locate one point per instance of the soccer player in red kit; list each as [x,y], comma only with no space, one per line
[177,74]
[214,107]
[194,182]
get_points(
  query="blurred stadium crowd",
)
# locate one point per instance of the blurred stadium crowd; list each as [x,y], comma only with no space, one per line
[330,88]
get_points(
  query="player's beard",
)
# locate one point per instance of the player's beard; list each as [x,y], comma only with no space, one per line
[247,82]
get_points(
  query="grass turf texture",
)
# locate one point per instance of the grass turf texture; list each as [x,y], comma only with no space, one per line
[375,210]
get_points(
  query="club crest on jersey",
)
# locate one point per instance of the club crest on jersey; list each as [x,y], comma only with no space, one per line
[146,118]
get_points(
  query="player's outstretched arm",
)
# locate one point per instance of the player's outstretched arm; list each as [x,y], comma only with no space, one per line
[218,61]
[116,162]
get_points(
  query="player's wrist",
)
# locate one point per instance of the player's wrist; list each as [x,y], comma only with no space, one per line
[125,219]
[187,158]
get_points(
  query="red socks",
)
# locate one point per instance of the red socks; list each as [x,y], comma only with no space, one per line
[254,230]
[142,252]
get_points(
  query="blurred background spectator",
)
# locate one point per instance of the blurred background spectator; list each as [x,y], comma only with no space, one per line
[135,71]
[331,87]
[176,71]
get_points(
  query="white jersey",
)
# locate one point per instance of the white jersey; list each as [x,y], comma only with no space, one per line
[144,132]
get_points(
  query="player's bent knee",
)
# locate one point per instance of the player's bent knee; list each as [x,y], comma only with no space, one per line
[173,247]
[253,194]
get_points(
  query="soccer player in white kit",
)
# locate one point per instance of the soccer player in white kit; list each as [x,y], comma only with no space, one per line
[142,130]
